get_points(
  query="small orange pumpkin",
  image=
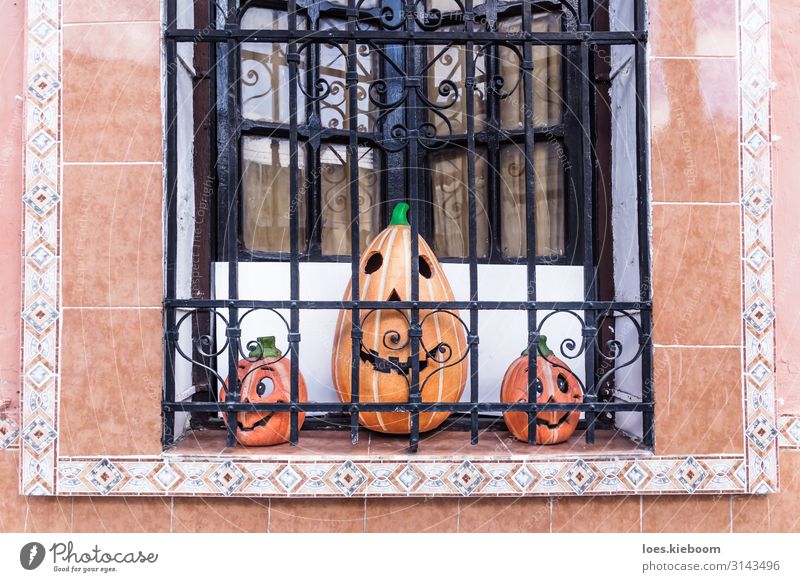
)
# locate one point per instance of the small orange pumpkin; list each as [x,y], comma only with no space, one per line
[555,383]
[266,380]
[384,365]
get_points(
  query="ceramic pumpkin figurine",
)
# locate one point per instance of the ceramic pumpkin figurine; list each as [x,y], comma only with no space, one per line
[266,380]
[384,363]
[556,383]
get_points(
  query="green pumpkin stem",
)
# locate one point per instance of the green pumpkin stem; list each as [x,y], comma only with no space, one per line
[543,349]
[400,215]
[265,349]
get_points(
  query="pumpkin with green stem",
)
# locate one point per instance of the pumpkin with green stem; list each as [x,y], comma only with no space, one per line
[555,383]
[265,378]
[384,367]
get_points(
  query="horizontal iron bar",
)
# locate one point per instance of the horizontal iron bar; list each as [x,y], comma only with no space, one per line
[246,255]
[459,423]
[271,129]
[462,407]
[399,36]
[480,305]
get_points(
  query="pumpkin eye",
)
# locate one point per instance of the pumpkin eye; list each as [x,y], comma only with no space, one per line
[425,268]
[373,263]
[262,387]
[561,381]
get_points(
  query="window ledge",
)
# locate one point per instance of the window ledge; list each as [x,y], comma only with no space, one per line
[325,464]
[442,445]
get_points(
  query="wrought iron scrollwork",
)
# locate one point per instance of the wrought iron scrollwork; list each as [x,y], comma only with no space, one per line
[209,347]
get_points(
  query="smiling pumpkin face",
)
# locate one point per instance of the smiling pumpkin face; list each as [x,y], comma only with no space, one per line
[385,353]
[555,384]
[266,380]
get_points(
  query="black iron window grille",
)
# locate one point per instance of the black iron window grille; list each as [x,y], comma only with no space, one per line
[320,116]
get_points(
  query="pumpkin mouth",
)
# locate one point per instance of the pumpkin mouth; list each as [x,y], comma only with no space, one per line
[387,366]
[255,425]
[553,426]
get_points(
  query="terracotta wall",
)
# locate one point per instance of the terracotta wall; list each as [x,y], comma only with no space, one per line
[12,47]
[786,177]
[112,155]
[696,225]
[111,228]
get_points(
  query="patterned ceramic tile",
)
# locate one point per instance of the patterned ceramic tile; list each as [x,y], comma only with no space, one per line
[789,435]
[41,198]
[353,478]
[760,420]
[43,474]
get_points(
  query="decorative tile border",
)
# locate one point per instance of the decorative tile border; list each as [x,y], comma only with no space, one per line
[43,473]
[789,431]
[224,477]
[41,299]
[760,419]
[9,433]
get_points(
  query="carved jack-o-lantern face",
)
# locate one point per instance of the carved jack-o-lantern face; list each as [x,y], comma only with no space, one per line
[267,381]
[555,383]
[385,353]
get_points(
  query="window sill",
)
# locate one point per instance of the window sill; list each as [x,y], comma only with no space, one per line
[442,445]
[325,464]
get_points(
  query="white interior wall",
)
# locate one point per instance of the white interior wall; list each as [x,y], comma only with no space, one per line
[503,334]
[624,173]
[185,204]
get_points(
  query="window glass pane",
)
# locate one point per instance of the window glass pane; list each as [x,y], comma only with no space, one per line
[451,203]
[549,196]
[334,108]
[266,196]
[547,73]
[265,71]
[430,12]
[335,186]
[547,82]
[362,4]
[446,90]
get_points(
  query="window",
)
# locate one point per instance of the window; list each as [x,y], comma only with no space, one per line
[438,79]
[314,119]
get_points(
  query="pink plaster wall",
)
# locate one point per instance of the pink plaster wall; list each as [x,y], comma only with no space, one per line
[12,53]
[785,185]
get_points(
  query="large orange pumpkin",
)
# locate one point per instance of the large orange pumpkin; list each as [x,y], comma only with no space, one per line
[384,365]
[266,380]
[555,383]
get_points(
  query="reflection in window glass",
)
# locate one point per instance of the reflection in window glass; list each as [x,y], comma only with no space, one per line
[336,207]
[549,200]
[547,81]
[265,71]
[334,108]
[446,90]
[266,196]
[451,204]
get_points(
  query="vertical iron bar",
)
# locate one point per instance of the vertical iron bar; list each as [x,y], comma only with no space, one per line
[168,416]
[395,161]
[469,95]
[229,181]
[493,129]
[314,149]
[589,273]
[642,169]
[413,122]
[355,243]
[293,59]
[530,216]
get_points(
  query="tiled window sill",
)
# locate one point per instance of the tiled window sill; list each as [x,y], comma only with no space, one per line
[329,445]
